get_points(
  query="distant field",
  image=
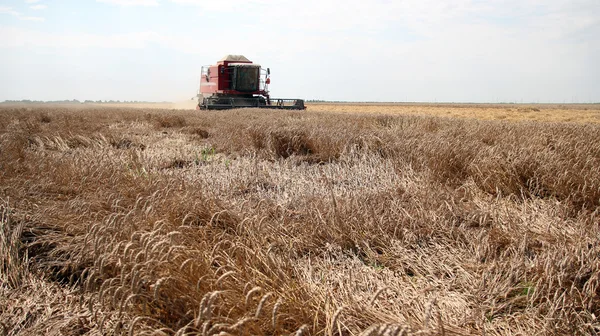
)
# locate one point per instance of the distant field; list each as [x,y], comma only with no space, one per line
[511,112]
[584,113]
[343,219]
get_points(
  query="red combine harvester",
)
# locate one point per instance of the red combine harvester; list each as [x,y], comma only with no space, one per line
[236,82]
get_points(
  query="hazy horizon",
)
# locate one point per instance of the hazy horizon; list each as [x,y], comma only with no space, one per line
[387,51]
[194,101]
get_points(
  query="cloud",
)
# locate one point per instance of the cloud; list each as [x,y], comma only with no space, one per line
[440,35]
[31,1]
[421,49]
[227,6]
[465,27]
[338,15]
[32,18]
[131,2]
[17,37]
[368,29]
[10,11]
[423,18]
[38,7]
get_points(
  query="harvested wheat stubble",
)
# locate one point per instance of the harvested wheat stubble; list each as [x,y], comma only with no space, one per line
[310,223]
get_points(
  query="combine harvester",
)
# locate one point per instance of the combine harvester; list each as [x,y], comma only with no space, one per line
[236,82]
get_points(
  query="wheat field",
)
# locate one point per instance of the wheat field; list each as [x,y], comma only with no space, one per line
[338,220]
[588,113]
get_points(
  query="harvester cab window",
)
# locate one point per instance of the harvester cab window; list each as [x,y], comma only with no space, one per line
[205,72]
[246,78]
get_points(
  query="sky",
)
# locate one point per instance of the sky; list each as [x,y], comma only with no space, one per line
[351,50]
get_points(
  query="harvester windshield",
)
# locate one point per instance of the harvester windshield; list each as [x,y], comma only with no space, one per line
[246,78]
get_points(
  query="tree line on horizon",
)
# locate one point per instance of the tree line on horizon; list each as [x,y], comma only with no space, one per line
[75,101]
[87,101]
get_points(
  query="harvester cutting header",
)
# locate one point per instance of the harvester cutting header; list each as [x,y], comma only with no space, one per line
[236,82]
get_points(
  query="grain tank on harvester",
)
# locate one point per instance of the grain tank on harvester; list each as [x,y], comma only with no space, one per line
[236,82]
